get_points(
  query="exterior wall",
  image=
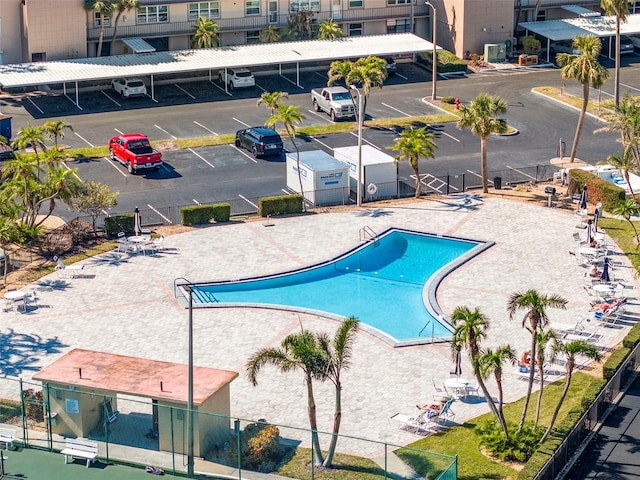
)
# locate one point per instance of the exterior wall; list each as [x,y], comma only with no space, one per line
[10,32]
[89,415]
[58,31]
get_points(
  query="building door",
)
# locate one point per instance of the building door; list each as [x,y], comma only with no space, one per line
[336,9]
[273,11]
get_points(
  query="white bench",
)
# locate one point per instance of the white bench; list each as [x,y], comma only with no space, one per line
[7,435]
[77,448]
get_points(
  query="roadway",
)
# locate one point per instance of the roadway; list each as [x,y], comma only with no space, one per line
[210,174]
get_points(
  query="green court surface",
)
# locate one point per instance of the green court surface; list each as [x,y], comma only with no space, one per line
[40,464]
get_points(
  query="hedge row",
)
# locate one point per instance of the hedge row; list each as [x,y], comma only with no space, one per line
[598,190]
[447,61]
[279,205]
[203,214]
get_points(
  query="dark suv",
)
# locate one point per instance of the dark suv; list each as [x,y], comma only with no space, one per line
[259,141]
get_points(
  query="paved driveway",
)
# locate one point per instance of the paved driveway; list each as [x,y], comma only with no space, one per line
[127,306]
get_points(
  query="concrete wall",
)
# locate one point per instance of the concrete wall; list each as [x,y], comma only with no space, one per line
[10,31]
[90,410]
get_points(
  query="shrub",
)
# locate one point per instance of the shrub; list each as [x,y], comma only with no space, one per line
[260,448]
[613,362]
[280,205]
[119,223]
[450,100]
[33,404]
[530,45]
[203,214]
[520,446]
[447,61]
[632,338]
[598,190]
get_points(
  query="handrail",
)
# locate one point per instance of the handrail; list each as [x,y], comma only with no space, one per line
[367,231]
[175,289]
[433,325]
[425,326]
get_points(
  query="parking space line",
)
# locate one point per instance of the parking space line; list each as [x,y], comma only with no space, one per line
[159,214]
[324,77]
[249,202]
[240,122]
[115,165]
[402,76]
[163,130]
[201,158]
[260,88]
[630,87]
[399,111]
[109,97]
[443,133]
[64,164]
[34,104]
[355,134]
[195,201]
[215,84]
[118,131]
[321,143]
[522,173]
[474,173]
[180,88]
[207,129]
[246,155]
[83,139]
[285,191]
[321,115]
[290,81]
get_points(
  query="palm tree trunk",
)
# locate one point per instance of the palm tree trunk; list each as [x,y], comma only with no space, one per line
[337,417]
[492,405]
[532,372]
[101,36]
[628,179]
[583,111]
[502,420]
[115,30]
[416,170]
[541,368]
[313,421]
[483,164]
[562,397]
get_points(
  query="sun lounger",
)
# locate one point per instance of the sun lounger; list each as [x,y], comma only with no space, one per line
[69,271]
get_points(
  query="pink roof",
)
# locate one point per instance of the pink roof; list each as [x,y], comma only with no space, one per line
[88,369]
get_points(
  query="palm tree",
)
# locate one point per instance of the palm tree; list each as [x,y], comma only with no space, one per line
[628,208]
[624,162]
[492,362]
[619,8]
[625,119]
[54,130]
[535,318]
[296,352]
[206,33]
[586,69]
[570,350]
[339,70]
[105,9]
[270,34]
[121,7]
[271,100]
[337,354]
[480,117]
[543,339]
[9,232]
[367,72]
[329,30]
[290,116]
[30,136]
[413,144]
[470,329]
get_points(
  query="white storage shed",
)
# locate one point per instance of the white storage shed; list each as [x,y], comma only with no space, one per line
[379,171]
[325,180]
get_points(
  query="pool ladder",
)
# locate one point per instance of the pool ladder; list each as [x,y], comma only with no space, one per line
[367,233]
[429,322]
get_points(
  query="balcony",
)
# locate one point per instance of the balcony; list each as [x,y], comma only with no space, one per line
[258,22]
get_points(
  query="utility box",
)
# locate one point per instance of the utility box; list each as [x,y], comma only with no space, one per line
[325,180]
[379,171]
[495,52]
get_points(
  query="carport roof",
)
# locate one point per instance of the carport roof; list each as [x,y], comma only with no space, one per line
[157,63]
[568,28]
[580,11]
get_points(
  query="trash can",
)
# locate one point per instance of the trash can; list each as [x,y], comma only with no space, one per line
[497,183]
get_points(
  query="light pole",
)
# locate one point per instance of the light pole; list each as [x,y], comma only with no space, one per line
[360,118]
[434,58]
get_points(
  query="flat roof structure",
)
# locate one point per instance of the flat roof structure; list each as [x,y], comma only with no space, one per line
[568,28]
[580,11]
[181,61]
[138,45]
[134,376]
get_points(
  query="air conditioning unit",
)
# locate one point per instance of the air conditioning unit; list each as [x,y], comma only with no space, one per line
[495,52]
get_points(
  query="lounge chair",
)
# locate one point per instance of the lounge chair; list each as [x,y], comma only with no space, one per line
[69,271]
[446,414]
[416,422]
[154,245]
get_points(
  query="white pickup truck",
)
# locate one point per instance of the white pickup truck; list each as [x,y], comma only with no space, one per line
[335,101]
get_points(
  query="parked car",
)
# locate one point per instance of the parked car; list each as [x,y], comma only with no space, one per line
[236,78]
[635,39]
[259,141]
[134,151]
[564,46]
[626,45]
[392,68]
[129,87]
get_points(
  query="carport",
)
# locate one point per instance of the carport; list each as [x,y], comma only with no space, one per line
[210,59]
[569,28]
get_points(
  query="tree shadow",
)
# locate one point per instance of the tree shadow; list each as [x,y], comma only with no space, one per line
[19,352]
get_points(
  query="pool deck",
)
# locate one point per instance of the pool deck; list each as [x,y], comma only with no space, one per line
[125,305]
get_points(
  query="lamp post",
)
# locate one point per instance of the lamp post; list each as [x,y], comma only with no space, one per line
[434,58]
[360,118]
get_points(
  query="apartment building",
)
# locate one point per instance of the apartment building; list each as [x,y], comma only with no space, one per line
[45,30]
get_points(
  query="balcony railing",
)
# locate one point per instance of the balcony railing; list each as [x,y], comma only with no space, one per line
[258,22]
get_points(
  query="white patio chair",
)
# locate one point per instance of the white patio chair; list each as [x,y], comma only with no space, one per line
[68,271]
[415,422]
[155,245]
[439,392]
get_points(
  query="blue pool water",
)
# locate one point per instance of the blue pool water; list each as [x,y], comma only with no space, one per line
[381,283]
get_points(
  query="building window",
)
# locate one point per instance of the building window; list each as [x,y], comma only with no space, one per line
[636,7]
[253,36]
[96,20]
[542,16]
[356,3]
[355,29]
[204,9]
[401,25]
[153,14]
[299,5]
[59,395]
[39,57]
[398,2]
[252,7]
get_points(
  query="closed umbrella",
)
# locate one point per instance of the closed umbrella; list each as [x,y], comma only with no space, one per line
[605,271]
[589,233]
[136,222]
[583,198]
[596,215]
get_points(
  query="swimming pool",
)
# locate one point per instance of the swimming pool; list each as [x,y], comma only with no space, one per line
[388,283]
